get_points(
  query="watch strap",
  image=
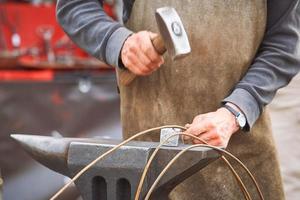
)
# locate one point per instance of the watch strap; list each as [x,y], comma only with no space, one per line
[239,116]
[232,110]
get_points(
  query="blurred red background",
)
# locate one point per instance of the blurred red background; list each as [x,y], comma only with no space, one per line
[26,18]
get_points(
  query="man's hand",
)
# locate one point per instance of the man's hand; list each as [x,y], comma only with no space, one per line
[215,128]
[138,54]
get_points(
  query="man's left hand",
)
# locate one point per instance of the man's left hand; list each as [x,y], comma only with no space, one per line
[216,128]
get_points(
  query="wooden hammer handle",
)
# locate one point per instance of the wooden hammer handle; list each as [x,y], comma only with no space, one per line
[126,77]
[159,45]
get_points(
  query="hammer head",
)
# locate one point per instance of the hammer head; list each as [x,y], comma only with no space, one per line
[172,32]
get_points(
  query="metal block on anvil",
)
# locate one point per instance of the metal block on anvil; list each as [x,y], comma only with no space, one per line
[116,176]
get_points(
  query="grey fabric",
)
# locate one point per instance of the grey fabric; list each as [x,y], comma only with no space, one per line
[115,44]
[276,62]
[247,103]
[90,28]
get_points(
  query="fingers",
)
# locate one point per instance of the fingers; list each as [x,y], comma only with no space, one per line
[198,127]
[139,55]
[195,129]
[210,138]
[187,126]
[149,50]
[136,65]
[207,138]
[214,142]
[207,130]
[152,35]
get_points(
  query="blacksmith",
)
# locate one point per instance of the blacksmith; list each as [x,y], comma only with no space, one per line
[243,51]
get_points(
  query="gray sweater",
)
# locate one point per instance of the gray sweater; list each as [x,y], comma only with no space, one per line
[276,63]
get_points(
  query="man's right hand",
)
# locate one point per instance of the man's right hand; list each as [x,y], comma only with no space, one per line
[138,54]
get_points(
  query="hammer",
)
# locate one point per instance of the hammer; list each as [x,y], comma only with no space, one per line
[172,38]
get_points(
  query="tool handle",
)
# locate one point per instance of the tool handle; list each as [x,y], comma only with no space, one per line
[126,77]
[159,45]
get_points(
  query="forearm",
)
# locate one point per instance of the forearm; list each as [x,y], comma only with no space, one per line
[90,28]
[276,63]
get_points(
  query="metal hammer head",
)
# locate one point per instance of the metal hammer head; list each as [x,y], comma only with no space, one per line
[172,32]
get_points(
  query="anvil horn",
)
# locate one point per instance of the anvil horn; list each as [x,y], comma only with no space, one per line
[49,151]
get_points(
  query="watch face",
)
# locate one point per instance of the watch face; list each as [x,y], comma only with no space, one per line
[241,120]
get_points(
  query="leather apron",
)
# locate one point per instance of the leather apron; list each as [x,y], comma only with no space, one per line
[224,37]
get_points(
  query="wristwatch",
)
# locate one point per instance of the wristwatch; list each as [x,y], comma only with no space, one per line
[239,116]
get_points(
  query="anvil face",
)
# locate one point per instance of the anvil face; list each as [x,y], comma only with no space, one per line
[116,177]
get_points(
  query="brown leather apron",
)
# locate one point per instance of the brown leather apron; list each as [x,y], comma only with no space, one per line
[224,37]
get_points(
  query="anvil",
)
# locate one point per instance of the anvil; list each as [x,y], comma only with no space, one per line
[116,177]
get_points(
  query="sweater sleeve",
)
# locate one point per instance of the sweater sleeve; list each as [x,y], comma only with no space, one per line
[86,23]
[276,63]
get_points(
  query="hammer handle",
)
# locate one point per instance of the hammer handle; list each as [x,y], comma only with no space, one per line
[126,77]
[159,45]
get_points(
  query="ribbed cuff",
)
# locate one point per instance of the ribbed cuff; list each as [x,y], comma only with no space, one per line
[115,44]
[247,103]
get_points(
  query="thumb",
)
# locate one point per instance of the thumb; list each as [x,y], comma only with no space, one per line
[152,35]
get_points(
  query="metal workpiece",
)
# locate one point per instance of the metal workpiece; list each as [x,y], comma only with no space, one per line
[116,176]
